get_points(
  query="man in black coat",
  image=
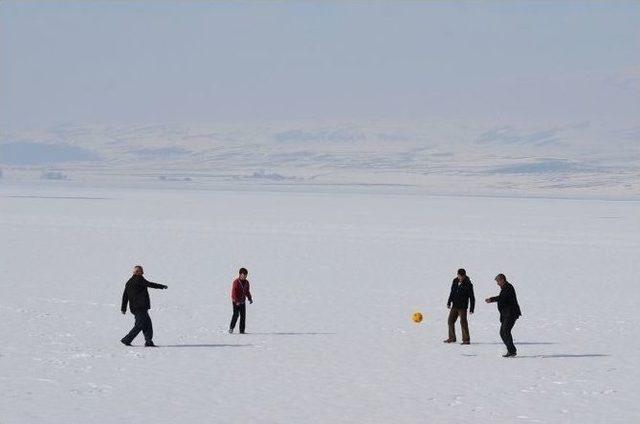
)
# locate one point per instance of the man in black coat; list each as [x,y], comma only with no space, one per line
[460,297]
[509,312]
[136,294]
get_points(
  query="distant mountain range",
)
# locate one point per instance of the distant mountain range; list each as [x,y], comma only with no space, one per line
[582,159]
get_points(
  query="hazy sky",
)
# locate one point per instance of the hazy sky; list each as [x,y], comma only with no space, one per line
[129,62]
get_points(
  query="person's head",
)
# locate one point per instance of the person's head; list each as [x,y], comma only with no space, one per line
[137,270]
[501,279]
[243,273]
[462,274]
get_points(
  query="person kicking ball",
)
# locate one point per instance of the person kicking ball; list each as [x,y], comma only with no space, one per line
[509,312]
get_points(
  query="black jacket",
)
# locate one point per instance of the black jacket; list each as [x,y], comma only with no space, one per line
[136,294]
[507,303]
[461,294]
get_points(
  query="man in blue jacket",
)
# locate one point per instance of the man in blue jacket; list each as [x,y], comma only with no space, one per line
[136,294]
[509,312]
[460,298]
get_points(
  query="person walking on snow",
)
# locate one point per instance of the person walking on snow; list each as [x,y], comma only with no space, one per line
[459,298]
[240,292]
[509,312]
[137,296]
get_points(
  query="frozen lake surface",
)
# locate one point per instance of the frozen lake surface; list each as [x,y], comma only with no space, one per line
[335,276]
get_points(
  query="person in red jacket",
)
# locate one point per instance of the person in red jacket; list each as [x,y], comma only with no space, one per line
[240,293]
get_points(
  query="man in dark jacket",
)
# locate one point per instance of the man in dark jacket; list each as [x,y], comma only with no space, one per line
[136,294]
[460,297]
[509,312]
[240,293]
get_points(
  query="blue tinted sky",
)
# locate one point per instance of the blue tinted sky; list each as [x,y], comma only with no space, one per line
[126,62]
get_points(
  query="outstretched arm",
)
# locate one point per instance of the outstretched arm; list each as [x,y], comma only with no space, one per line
[153,285]
[492,299]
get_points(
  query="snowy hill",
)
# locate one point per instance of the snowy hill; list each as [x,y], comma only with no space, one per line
[578,160]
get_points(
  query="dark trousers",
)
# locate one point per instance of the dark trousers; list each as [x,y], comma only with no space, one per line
[142,323]
[241,310]
[505,333]
[453,317]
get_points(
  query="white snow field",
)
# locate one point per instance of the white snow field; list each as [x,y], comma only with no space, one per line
[336,275]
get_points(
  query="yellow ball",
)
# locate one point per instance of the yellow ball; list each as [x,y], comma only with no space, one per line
[417,317]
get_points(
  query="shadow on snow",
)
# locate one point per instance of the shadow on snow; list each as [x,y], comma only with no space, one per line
[516,343]
[207,345]
[289,334]
[567,355]
[559,355]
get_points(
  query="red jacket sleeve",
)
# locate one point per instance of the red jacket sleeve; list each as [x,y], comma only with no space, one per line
[236,291]
[248,292]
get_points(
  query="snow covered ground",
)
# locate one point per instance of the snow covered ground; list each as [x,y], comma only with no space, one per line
[336,274]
